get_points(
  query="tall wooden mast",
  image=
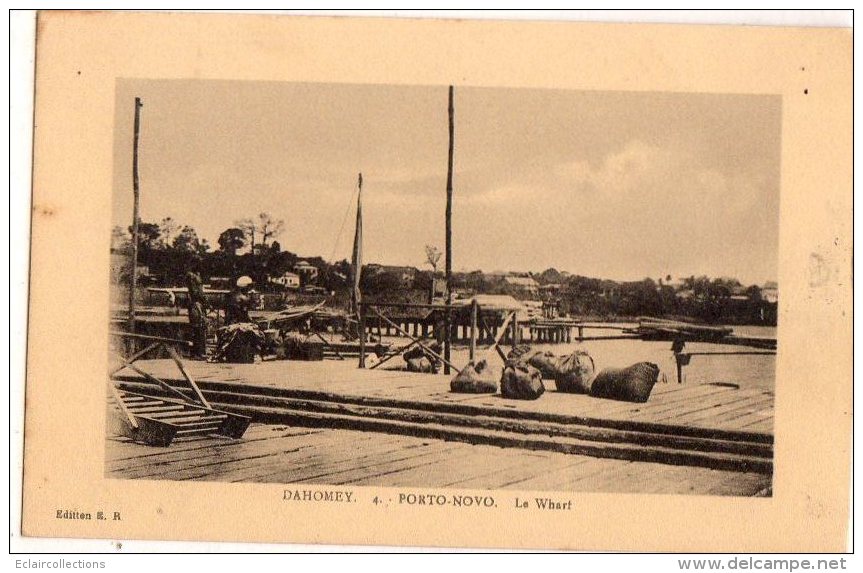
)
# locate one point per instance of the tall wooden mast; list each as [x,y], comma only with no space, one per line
[448,317]
[133,281]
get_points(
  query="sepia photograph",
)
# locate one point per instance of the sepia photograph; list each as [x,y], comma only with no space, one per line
[438,283]
[447,287]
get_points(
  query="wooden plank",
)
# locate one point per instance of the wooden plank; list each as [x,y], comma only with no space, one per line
[712,407]
[682,404]
[611,477]
[593,477]
[334,458]
[340,383]
[617,450]
[467,409]
[612,409]
[271,451]
[489,463]
[744,484]
[145,404]
[155,409]
[655,405]
[337,449]
[135,356]
[119,452]
[124,410]
[661,479]
[530,465]
[192,417]
[656,478]
[503,424]
[149,377]
[177,412]
[186,468]
[764,425]
[335,472]
[191,381]
[565,475]
[726,411]
[421,456]
[738,422]
[440,469]
[185,451]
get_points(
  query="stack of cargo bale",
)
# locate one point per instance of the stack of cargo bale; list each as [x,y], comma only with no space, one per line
[575,373]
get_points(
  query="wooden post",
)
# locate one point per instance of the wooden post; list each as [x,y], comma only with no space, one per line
[514,331]
[425,348]
[361,327]
[473,313]
[191,381]
[447,316]
[133,281]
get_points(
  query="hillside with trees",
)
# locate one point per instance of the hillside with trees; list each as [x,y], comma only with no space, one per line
[250,247]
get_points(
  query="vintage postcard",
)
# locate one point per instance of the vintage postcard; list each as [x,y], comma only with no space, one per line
[440,283]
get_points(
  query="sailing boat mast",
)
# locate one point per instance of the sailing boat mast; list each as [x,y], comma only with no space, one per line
[357,265]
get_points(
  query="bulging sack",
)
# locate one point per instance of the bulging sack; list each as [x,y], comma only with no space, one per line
[632,384]
[521,382]
[239,343]
[575,373]
[519,354]
[291,346]
[474,379]
[418,360]
[421,364]
[419,351]
[548,364]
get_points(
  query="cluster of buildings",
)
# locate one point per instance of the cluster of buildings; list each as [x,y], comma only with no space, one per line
[303,273]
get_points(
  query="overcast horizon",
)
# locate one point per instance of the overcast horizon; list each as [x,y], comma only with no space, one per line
[616,185]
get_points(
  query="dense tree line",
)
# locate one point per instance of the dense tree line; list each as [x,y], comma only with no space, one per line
[250,248]
[708,300]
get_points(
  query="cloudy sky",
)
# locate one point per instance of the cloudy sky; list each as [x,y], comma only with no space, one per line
[607,184]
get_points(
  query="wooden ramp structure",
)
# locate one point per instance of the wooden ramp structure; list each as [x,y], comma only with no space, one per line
[158,421]
[153,417]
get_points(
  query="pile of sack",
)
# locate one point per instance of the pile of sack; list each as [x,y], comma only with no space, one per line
[574,373]
[239,343]
[475,379]
[299,346]
[419,360]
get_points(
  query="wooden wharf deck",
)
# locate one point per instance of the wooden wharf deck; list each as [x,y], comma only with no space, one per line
[719,427]
[705,404]
[297,455]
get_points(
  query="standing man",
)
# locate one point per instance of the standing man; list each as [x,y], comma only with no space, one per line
[239,302]
[197,311]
